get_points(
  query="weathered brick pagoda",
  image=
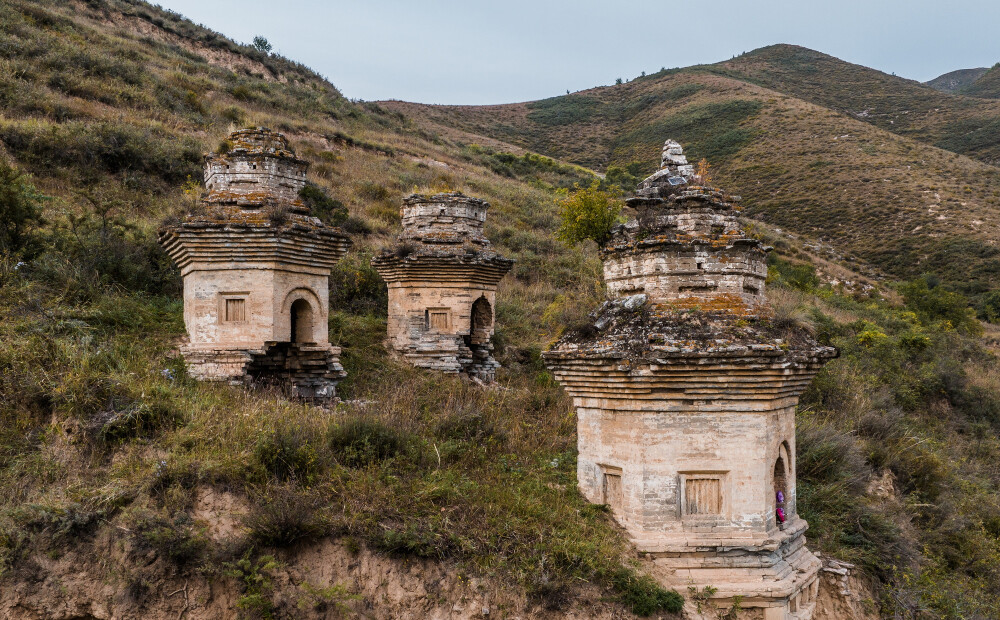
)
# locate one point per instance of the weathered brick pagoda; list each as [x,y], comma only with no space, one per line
[256,268]
[442,277]
[685,393]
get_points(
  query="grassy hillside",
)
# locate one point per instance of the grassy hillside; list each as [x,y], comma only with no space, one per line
[961,124]
[987,85]
[112,106]
[107,446]
[877,197]
[954,82]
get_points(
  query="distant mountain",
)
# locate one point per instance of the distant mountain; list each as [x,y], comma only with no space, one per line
[954,82]
[986,85]
[821,147]
[970,126]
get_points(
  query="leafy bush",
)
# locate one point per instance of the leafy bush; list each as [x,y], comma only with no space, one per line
[20,210]
[625,177]
[360,441]
[288,452]
[331,211]
[139,419]
[825,455]
[643,595]
[255,576]
[356,286]
[178,539]
[800,276]
[284,515]
[589,213]
[114,147]
[417,540]
[989,307]
[935,303]
[86,253]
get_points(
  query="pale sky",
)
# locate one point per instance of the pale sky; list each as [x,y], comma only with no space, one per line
[475,52]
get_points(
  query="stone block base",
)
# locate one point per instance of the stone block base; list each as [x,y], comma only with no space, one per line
[305,371]
[452,356]
[777,579]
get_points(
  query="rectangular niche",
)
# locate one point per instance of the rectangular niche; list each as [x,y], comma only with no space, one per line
[437,319]
[703,494]
[233,308]
[612,492]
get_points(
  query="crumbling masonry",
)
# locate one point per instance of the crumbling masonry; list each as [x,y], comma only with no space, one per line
[685,392]
[442,278]
[256,268]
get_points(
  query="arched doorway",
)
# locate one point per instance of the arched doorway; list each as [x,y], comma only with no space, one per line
[482,322]
[302,322]
[780,486]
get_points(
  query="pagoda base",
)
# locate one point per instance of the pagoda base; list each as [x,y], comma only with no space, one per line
[774,577]
[305,371]
[452,355]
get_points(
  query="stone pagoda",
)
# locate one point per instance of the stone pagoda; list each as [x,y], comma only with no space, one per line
[442,277]
[256,268]
[685,393]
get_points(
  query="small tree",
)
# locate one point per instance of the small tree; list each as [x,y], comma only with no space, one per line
[262,44]
[20,209]
[618,81]
[589,213]
[989,307]
[703,172]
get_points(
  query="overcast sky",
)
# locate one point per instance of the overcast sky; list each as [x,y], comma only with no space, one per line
[475,52]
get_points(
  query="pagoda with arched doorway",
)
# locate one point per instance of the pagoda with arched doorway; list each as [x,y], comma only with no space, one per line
[256,268]
[442,277]
[685,391]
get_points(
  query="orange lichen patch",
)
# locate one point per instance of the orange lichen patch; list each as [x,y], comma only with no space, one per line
[727,303]
[247,198]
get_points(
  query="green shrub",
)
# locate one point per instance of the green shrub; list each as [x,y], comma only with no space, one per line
[472,426]
[178,539]
[823,455]
[138,419]
[288,452]
[20,210]
[284,515]
[643,595]
[374,191]
[417,540]
[627,177]
[59,522]
[361,441]
[356,287]
[589,213]
[936,304]
[87,253]
[112,146]
[332,212]
[800,276]
[255,576]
